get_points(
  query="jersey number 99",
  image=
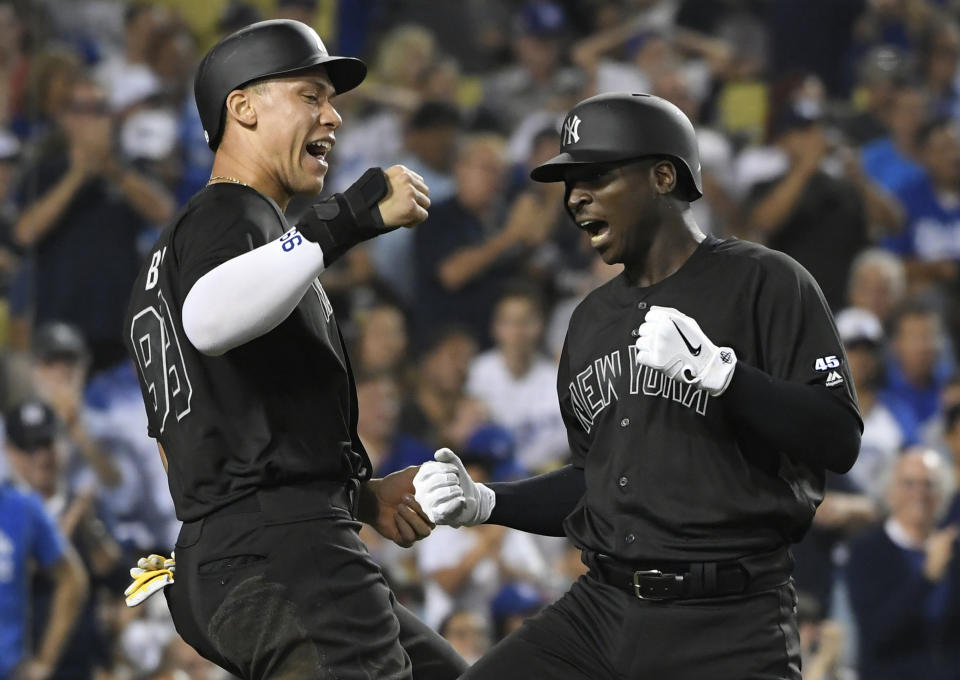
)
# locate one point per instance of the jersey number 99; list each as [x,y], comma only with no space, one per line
[160,360]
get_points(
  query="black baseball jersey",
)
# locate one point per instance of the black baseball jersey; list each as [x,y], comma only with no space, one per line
[669,475]
[280,409]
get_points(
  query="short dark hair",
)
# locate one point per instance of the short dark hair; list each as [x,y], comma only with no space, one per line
[912,307]
[524,289]
[433,114]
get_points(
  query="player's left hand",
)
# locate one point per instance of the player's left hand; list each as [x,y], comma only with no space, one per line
[673,342]
[151,575]
[388,505]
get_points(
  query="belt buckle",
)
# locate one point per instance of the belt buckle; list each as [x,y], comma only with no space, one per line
[671,584]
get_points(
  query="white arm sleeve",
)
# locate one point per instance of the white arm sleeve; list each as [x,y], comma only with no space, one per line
[250,294]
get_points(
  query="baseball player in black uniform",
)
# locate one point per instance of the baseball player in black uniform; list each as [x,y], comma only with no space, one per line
[705,393]
[249,391]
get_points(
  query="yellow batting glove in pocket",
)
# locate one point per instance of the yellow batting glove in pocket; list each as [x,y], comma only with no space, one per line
[152,574]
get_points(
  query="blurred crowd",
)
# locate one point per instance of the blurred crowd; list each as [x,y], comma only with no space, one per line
[828,129]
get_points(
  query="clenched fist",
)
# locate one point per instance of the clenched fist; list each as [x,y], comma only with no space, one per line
[407,199]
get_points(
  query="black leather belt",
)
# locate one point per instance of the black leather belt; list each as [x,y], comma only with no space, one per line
[694,579]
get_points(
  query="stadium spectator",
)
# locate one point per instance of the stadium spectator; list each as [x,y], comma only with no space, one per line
[429,146]
[804,207]
[538,72]
[438,390]
[82,210]
[930,243]
[904,579]
[35,449]
[47,93]
[518,383]
[30,539]
[462,254]
[379,399]
[938,52]
[127,78]
[889,425]
[882,72]
[382,343]
[919,364]
[877,283]
[469,633]
[891,160]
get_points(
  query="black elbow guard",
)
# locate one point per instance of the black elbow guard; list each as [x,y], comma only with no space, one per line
[344,220]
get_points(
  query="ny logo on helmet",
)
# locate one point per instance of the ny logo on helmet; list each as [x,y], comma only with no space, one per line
[571,130]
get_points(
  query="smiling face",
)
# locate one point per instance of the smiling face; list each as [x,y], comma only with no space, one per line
[620,206]
[294,122]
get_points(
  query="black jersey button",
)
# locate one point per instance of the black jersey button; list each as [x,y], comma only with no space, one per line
[624,422]
[641,305]
[623,481]
[629,538]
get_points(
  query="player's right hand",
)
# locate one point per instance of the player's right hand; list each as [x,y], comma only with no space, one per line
[448,495]
[407,199]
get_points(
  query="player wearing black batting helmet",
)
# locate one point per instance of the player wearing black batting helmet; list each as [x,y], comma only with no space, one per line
[264,50]
[625,127]
[705,393]
[249,391]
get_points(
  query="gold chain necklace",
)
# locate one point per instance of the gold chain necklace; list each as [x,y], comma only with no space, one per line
[225,178]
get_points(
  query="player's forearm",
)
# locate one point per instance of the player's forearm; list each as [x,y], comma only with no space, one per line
[249,295]
[804,421]
[538,505]
[68,597]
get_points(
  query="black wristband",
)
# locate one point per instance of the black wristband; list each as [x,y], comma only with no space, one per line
[344,220]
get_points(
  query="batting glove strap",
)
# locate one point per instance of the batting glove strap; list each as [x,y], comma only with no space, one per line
[344,220]
[151,575]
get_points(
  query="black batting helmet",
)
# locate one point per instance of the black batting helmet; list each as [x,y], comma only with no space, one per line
[262,50]
[620,126]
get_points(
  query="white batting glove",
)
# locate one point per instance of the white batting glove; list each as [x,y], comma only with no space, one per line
[447,494]
[672,342]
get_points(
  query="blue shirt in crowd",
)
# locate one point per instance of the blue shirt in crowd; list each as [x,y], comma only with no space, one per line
[887,166]
[932,227]
[27,533]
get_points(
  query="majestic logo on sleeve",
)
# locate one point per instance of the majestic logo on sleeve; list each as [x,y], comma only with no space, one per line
[593,388]
[571,130]
[834,379]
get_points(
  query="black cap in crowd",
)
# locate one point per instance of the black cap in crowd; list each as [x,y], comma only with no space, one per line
[56,340]
[31,424]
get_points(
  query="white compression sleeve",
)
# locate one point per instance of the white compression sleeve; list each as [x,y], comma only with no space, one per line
[250,294]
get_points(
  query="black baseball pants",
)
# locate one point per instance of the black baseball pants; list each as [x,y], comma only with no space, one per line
[600,631]
[280,586]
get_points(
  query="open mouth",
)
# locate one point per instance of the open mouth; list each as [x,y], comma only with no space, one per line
[319,148]
[598,229]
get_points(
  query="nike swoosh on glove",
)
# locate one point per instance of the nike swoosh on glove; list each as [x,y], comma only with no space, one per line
[152,574]
[674,343]
[448,495]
